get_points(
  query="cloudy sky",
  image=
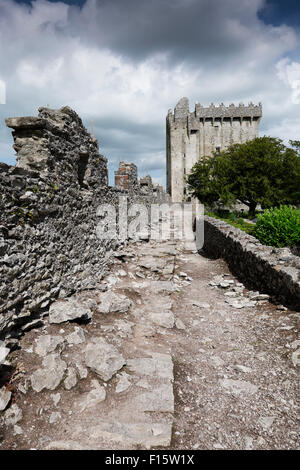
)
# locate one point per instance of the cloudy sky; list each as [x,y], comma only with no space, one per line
[124,63]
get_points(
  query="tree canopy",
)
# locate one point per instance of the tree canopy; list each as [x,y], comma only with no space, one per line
[261,171]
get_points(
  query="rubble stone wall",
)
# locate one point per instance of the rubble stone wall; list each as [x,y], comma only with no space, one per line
[126,175]
[48,204]
[274,271]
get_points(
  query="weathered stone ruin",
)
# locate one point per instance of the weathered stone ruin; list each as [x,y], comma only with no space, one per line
[57,144]
[133,345]
[48,241]
[192,135]
[126,176]
[146,184]
[160,193]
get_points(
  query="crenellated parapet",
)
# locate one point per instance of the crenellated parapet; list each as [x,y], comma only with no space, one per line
[231,111]
[181,111]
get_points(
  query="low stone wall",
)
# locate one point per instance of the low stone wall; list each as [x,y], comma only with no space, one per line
[48,205]
[275,271]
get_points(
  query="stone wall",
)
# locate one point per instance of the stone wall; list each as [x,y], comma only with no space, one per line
[146,184]
[274,271]
[48,205]
[126,176]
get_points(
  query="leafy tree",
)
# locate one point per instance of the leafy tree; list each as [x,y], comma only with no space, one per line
[261,171]
[296,145]
[201,181]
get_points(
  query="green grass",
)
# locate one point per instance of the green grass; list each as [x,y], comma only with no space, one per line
[233,219]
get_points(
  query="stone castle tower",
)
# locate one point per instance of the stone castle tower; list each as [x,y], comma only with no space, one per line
[193,135]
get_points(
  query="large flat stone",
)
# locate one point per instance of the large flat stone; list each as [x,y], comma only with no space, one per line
[5,396]
[4,352]
[26,122]
[103,358]
[153,263]
[156,287]
[144,434]
[165,319]
[159,398]
[68,309]
[163,286]
[67,445]
[77,337]
[111,302]
[159,365]
[46,344]
[50,375]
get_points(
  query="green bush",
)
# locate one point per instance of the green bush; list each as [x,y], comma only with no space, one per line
[278,227]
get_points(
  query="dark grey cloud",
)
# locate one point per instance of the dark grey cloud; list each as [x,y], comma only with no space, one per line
[123,63]
[138,143]
[68,2]
[184,29]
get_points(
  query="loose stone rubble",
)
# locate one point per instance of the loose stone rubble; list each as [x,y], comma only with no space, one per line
[4,352]
[182,358]
[92,398]
[71,379]
[110,302]
[13,415]
[5,396]
[67,310]
[76,337]
[49,244]
[144,344]
[46,344]
[50,375]
[103,358]
[275,271]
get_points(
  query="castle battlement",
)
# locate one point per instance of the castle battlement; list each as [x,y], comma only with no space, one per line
[202,132]
[181,111]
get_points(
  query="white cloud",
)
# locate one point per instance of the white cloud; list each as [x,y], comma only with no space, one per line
[287,129]
[289,73]
[30,73]
[126,77]
[2,92]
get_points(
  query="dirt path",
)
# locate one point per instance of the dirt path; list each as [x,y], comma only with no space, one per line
[176,354]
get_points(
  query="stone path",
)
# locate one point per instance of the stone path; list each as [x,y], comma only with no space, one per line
[169,351]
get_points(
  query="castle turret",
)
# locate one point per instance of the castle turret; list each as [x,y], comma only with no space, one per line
[193,135]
